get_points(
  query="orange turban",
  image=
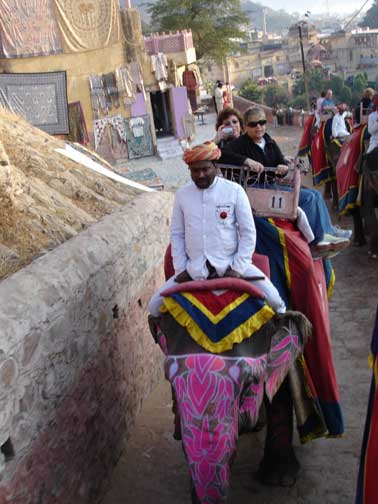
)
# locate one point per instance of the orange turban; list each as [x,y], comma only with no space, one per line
[208,151]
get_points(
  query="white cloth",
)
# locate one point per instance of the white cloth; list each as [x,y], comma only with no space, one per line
[218,95]
[261,144]
[373,130]
[338,125]
[215,224]
[304,226]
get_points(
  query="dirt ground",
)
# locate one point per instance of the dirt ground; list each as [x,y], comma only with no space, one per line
[153,469]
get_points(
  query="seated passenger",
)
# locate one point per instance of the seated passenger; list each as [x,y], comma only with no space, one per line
[212,231]
[256,149]
[339,129]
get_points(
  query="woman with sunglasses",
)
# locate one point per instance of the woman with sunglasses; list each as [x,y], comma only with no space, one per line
[257,146]
[229,127]
[301,282]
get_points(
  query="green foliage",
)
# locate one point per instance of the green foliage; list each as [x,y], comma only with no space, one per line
[213,23]
[299,102]
[345,95]
[315,82]
[371,16]
[359,83]
[275,95]
[251,91]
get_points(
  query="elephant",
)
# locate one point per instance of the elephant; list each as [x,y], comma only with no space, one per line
[218,395]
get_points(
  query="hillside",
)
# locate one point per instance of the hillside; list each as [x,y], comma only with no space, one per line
[45,198]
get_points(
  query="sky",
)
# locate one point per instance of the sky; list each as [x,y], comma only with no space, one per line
[320,6]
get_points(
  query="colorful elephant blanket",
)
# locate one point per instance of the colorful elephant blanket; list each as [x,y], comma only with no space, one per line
[348,178]
[217,320]
[367,488]
[301,282]
[305,143]
[212,392]
[321,171]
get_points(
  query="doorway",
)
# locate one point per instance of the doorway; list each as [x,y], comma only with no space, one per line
[162,113]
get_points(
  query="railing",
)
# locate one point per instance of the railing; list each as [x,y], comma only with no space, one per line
[169,42]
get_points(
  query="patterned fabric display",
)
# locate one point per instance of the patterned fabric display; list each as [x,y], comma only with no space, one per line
[28,28]
[78,127]
[139,146]
[126,86]
[111,90]
[42,98]
[98,97]
[117,122]
[88,24]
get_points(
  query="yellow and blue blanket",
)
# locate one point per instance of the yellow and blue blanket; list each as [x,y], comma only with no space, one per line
[217,322]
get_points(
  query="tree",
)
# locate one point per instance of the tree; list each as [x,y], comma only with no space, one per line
[359,84]
[214,23]
[299,102]
[371,16]
[275,95]
[316,83]
[251,91]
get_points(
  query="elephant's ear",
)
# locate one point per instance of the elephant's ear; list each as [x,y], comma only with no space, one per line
[304,326]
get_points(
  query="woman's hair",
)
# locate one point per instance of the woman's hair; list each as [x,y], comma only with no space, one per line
[225,114]
[323,94]
[253,111]
[368,93]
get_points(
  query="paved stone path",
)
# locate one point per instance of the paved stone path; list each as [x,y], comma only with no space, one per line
[153,468]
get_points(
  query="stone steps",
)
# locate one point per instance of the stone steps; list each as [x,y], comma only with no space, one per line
[168,148]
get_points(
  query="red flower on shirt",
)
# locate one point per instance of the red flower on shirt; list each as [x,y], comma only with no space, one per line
[223,215]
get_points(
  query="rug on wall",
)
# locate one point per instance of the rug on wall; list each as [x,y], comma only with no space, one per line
[88,24]
[41,96]
[28,28]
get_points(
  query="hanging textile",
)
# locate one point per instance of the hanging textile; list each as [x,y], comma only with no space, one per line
[136,75]
[89,24]
[139,145]
[117,122]
[159,67]
[111,90]
[28,28]
[137,126]
[126,86]
[98,97]
[78,127]
[41,98]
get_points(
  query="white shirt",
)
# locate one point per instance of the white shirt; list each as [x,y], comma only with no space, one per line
[214,224]
[261,144]
[338,125]
[373,130]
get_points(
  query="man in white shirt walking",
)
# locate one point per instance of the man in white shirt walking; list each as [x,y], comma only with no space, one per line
[212,231]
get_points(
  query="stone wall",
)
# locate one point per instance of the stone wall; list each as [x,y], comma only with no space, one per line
[76,356]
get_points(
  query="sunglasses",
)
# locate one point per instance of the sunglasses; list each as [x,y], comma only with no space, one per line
[253,124]
[233,121]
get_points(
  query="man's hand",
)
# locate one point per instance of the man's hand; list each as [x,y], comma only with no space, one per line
[232,273]
[282,169]
[254,165]
[183,277]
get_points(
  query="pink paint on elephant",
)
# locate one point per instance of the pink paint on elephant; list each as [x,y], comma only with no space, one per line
[212,391]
